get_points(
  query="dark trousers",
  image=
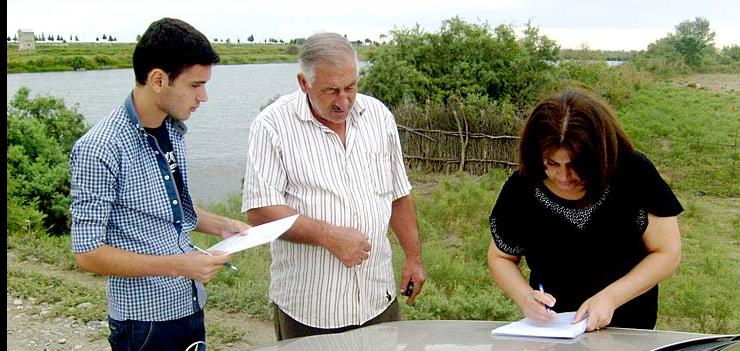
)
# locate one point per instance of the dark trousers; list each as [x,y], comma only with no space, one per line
[174,335]
[288,328]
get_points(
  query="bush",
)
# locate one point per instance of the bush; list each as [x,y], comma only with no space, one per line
[103,60]
[41,133]
[461,60]
[615,84]
[291,50]
[77,63]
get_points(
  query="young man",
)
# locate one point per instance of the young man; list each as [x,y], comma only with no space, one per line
[334,156]
[131,208]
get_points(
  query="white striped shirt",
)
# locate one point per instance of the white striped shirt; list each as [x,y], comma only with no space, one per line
[295,161]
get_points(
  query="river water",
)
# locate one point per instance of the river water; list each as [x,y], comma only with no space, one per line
[217,132]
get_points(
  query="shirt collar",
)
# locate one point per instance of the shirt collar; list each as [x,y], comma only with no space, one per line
[179,126]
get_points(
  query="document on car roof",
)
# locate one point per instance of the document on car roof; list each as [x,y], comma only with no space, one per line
[560,327]
[256,236]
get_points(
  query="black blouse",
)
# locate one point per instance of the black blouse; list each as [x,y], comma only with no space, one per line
[575,252]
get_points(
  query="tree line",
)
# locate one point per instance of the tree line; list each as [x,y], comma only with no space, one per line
[42,37]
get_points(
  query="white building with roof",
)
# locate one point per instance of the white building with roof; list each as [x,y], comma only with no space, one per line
[26,39]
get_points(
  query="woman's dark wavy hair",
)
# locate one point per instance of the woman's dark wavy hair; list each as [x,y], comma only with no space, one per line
[583,125]
[172,46]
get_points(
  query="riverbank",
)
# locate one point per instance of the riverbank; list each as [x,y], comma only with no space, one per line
[51,57]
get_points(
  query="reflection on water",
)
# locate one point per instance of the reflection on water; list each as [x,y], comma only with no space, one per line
[217,132]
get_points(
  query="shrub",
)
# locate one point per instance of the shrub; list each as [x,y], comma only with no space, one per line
[77,63]
[461,60]
[41,133]
[615,84]
[103,60]
[291,50]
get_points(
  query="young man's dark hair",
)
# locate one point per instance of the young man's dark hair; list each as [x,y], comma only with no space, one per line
[171,45]
[132,212]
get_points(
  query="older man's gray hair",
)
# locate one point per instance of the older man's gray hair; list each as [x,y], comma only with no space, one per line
[319,48]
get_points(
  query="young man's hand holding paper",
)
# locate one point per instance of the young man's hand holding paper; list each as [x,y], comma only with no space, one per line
[256,236]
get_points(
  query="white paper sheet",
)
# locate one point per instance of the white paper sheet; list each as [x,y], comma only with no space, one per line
[256,236]
[561,327]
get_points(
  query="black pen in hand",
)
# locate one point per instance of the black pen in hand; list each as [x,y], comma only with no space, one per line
[227,264]
[409,289]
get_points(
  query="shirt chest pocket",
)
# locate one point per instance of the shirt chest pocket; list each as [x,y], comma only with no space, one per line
[379,171]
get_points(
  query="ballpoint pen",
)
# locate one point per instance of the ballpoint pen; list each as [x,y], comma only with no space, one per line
[542,290]
[227,264]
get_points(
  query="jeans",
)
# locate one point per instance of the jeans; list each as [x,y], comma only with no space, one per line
[174,335]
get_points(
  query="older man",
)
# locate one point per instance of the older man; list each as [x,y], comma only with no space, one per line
[333,156]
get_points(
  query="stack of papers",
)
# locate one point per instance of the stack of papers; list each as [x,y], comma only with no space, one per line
[256,236]
[560,327]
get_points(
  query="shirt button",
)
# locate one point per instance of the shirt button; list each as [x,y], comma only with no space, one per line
[166,177]
[177,221]
[156,152]
[174,202]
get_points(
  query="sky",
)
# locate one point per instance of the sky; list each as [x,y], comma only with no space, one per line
[596,24]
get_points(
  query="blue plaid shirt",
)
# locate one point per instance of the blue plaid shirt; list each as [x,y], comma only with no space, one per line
[124,195]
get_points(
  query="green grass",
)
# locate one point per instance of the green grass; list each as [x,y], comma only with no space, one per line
[452,212]
[38,246]
[691,135]
[63,295]
[91,56]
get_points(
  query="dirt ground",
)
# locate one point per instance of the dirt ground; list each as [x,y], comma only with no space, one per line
[713,81]
[29,326]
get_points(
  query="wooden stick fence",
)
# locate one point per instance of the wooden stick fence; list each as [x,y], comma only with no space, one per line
[461,150]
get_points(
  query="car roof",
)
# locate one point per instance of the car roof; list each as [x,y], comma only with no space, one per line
[432,335]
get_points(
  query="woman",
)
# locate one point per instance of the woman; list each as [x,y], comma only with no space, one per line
[593,217]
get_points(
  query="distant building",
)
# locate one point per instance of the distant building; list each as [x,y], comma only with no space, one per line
[26,39]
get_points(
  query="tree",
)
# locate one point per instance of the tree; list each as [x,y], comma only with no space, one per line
[8,38]
[138,36]
[730,54]
[250,38]
[76,39]
[104,37]
[692,40]
[97,39]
